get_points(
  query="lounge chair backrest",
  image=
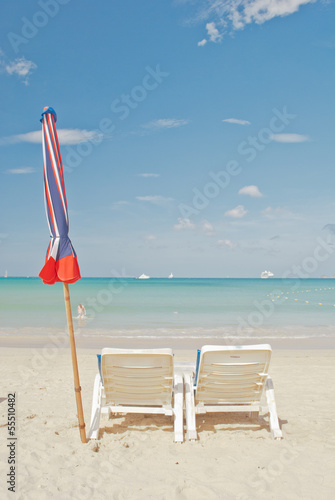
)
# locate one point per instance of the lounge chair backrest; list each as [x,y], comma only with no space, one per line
[231,375]
[138,377]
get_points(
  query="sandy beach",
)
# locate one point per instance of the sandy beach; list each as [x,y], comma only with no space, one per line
[135,456]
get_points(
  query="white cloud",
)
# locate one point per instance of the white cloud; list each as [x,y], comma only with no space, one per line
[204,226]
[234,15]
[184,224]
[148,175]
[290,138]
[20,67]
[252,191]
[207,228]
[237,212]
[155,199]
[22,170]
[165,123]
[226,244]
[213,35]
[65,137]
[213,32]
[236,121]
[260,11]
[76,136]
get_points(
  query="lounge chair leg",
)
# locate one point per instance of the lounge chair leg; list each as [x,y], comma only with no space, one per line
[191,433]
[271,402]
[96,409]
[178,409]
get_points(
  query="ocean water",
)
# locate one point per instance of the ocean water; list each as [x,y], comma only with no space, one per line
[173,308]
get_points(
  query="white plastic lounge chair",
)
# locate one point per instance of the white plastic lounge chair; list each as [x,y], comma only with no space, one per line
[137,381]
[230,379]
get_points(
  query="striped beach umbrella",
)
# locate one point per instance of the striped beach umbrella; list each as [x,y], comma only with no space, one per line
[61,261]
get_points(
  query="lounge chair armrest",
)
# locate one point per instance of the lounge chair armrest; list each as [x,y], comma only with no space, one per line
[191,432]
[271,402]
[96,408]
[178,408]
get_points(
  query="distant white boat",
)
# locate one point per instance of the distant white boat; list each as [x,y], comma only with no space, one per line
[6,274]
[170,276]
[143,277]
[267,274]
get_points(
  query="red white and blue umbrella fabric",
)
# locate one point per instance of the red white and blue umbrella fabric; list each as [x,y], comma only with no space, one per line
[61,260]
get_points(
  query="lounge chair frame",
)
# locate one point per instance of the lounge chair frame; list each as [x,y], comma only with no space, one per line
[138,381]
[230,379]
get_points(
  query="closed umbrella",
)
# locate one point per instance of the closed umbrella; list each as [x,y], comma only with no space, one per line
[61,261]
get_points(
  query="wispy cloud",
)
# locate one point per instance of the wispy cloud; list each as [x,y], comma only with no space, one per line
[20,67]
[237,212]
[65,136]
[236,121]
[279,213]
[290,138]
[22,170]
[232,15]
[155,199]
[207,228]
[150,237]
[204,226]
[184,224]
[226,244]
[165,123]
[252,191]
[148,175]
[117,205]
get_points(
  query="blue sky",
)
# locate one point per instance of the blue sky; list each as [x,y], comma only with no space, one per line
[197,136]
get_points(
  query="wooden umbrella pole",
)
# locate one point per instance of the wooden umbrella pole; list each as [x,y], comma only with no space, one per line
[77,387]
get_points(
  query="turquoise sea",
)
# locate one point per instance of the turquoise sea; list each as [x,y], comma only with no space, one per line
[252,309]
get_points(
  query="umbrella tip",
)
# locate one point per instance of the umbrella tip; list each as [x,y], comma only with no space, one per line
[49,109]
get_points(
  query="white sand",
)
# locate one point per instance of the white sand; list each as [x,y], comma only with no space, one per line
[135,457]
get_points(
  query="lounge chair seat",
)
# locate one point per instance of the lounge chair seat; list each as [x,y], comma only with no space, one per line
[137,381]
[230,379]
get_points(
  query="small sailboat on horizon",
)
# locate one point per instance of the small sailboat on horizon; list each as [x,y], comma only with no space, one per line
[170,275]
[6,274]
